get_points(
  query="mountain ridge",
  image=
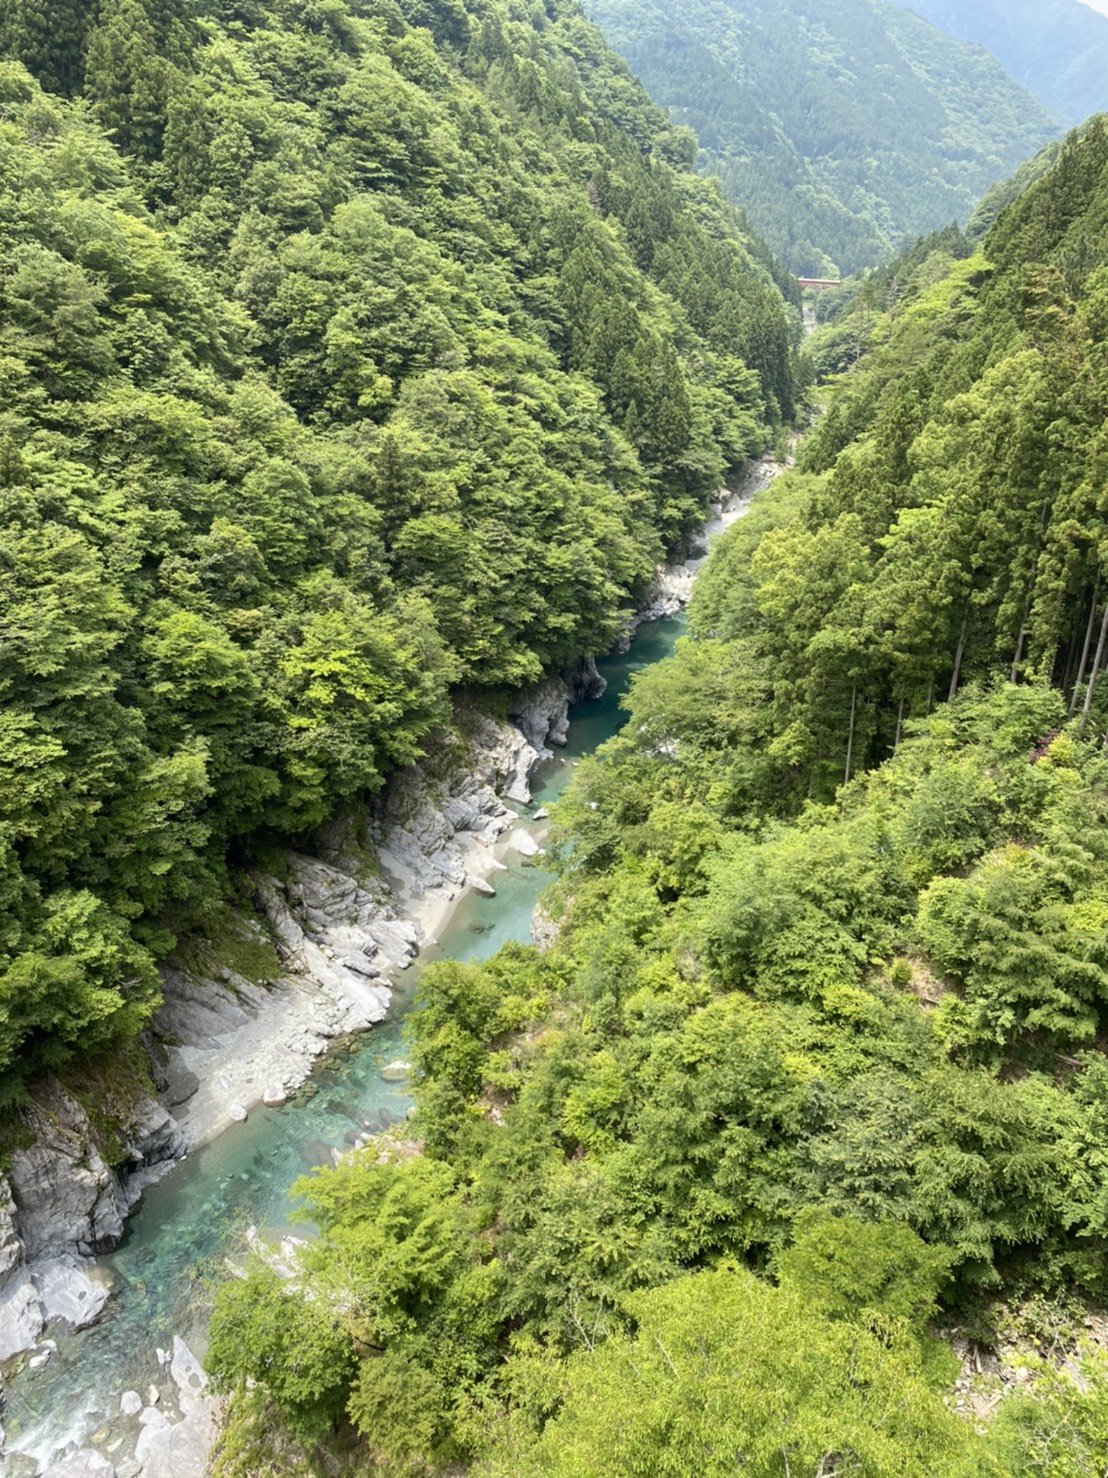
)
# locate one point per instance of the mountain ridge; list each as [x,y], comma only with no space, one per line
[1057,49]
[815,116]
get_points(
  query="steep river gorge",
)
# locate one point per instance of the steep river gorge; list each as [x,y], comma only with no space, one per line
[201,1214]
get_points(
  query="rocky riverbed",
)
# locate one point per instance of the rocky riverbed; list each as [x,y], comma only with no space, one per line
[347,916]
[671,589]
[345,921]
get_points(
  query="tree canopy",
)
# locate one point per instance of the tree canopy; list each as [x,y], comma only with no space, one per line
[352,355]
[815,1066]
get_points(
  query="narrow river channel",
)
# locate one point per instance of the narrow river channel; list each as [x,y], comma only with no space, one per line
[188,1226]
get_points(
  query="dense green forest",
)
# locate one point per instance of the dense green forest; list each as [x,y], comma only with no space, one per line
[1058,49]
[351,354]
[847,320]
[815,1069]
[842,127]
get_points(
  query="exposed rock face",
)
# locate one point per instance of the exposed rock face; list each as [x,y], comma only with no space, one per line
[71,1292]
[22,1318]
[179,1449]
[347,920]
[585,682]
[11,1248]
[61,1203]
[224,1046]
[437,818]
[524,843]
[541,713]
[544,929]
[668,594]
[67,1199]
[84,1464]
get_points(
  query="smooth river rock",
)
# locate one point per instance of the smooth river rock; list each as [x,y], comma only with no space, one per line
[22,1318]
[70,1292]
[524,843]
[83,1464]
[185,1369]
[61,1203]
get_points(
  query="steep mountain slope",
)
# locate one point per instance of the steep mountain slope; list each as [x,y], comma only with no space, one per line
[841,126]
[815,1065]
[378,356]
[1058,49]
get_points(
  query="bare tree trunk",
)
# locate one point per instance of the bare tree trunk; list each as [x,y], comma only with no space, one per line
[930,696]
[1026,617]
[1018,658]
[1085,648]
[1024,620]
[961,652]
[899,726]
[1091,689]
[850,741]
[1067,670]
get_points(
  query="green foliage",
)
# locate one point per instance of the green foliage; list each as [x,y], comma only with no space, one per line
[944,523]
[307,1375]
[817,1056]
[49,38]
[1060,1431]
[843,127]
[372,352]
[725,1373]
[712,1065]
[875,1272]
[249,1445]
[850,317]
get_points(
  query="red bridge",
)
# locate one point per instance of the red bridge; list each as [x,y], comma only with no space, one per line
[819,284]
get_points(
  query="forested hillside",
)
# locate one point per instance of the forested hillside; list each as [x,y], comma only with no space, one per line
[842,128]
[1058,49]
[815,1070]
[350,353]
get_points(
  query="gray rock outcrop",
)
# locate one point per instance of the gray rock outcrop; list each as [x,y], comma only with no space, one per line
[437,818]
[544,929]
[542,715]
[61,1203]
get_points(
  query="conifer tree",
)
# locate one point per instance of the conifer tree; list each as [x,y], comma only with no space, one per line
[48,37]
[127,78]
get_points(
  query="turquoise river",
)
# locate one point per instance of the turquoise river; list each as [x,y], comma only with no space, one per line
[195,1220]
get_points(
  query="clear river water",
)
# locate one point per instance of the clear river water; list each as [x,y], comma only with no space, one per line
[196,1219]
